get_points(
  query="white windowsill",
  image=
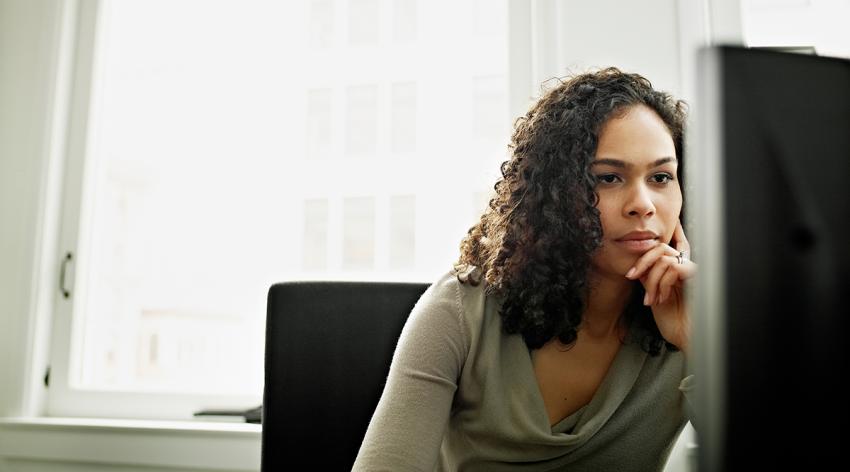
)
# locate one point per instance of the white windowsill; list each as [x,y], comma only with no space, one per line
[209,445]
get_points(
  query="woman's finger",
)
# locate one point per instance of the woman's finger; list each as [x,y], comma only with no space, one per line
[669,280]
[653,277]
[648,259]
[680,240]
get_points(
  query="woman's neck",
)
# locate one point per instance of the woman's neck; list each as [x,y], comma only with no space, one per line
[606,300]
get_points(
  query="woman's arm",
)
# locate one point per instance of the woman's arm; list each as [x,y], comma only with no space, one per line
[408,425]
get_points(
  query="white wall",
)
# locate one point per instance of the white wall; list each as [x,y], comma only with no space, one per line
[636,36]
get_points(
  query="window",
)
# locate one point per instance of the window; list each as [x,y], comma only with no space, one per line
[403,121]
[402,232]
[248,143]
[319,124]
[363,21]
[314,248]
[404,20]
[358,230]
[362,119]
[321,23]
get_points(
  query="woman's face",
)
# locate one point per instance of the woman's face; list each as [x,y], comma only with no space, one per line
[639,194]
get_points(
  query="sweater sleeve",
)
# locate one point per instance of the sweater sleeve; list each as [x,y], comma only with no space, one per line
[686,386]
[407,428]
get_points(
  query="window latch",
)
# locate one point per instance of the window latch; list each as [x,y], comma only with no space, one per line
[67,260]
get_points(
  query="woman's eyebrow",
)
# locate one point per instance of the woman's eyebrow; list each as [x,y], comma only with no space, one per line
[624,165]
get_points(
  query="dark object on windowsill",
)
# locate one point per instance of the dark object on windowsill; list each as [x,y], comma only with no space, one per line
[795,49]
[251,415]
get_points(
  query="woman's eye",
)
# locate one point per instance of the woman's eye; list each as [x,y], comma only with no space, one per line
[662,178]
[607,178]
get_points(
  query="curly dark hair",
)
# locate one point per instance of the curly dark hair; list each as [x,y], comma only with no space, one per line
[533,245]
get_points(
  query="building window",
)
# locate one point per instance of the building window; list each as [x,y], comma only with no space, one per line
[361,119]
[405,22]
[358,229]
[403,120]
[321,23]
[319,124]
[363,22]
[315,247]
[402,231]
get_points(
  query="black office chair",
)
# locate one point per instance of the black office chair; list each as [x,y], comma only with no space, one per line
[328,351]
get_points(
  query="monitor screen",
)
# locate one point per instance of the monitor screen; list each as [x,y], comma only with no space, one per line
[770,176]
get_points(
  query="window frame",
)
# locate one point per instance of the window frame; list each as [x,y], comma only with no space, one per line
[61,398]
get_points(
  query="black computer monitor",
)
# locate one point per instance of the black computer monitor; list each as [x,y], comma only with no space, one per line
[770,155]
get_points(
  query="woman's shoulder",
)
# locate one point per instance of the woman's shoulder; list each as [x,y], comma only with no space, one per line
[464,282]
[465,289]
[467,274]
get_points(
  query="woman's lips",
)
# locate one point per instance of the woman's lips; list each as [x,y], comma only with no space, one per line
[637,245]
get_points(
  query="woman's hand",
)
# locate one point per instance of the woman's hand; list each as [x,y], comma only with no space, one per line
[663,276]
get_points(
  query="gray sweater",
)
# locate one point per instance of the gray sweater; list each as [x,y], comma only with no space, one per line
[462,396]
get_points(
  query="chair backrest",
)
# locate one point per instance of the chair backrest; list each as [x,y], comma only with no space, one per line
[328,351]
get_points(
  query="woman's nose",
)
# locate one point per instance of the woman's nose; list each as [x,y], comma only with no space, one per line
[639,202]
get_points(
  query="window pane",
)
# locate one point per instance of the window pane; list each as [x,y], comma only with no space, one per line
[218,165]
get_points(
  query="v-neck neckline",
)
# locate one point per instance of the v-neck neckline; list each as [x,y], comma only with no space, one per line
[587,420]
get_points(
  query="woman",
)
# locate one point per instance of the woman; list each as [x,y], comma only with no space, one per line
[559,340]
